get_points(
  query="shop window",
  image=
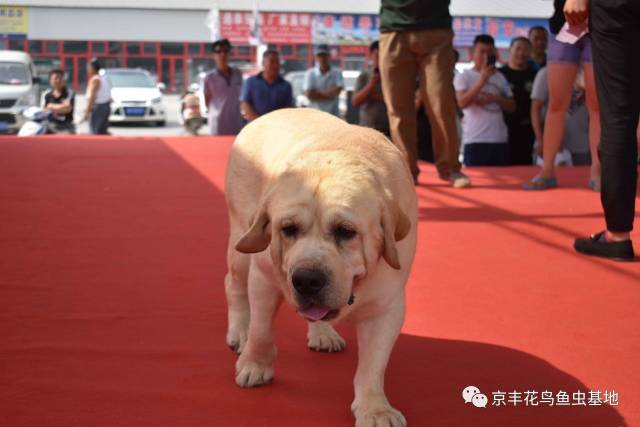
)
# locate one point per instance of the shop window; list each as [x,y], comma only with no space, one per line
[195,48]
[241,51]
[149,48]
[133,48]
[75,47]
[51,47]
[35,46]
[302,51]
[97,47]
[115,48]
[16,44]
[172,48]
[286,50]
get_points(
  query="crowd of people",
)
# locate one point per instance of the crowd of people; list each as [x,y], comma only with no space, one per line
[540,107]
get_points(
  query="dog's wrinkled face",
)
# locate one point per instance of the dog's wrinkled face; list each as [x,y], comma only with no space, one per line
[323,235]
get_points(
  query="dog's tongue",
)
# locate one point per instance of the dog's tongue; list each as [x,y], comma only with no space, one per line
[314,312]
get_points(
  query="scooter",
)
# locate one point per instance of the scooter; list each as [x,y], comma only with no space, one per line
[38,122]
[190,114]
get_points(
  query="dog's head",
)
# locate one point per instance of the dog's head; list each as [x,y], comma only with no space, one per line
[326,229]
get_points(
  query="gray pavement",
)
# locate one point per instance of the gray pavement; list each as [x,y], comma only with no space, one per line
[171,128]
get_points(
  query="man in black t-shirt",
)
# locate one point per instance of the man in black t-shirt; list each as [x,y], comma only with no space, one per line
[60,101]
[520,76]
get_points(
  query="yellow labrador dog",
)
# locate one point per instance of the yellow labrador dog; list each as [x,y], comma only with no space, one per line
[323,214]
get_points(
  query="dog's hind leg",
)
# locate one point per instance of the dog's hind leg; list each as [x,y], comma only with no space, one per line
[235,283]
[322,337]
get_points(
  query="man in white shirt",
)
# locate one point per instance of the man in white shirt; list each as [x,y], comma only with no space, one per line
[322,83]
[483,94]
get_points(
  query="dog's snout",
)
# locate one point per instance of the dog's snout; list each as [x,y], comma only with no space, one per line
[308,281]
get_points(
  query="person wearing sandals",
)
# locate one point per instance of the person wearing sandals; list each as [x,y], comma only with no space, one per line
[616,36]
[563,60]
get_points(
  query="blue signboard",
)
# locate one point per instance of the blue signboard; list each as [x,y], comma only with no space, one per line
[466,28]
[345,29]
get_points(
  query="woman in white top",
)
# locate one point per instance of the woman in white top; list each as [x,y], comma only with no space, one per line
[98,100]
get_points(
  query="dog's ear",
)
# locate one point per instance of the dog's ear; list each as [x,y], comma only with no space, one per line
[257,238]
[395,227]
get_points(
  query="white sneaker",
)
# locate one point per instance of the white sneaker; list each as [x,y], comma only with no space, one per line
[459,180]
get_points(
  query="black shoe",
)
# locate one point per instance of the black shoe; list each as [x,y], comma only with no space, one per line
[596,245]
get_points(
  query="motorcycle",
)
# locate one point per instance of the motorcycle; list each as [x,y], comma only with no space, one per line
[190,114]
[38,122]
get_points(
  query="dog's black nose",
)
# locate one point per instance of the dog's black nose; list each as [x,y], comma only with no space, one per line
[308,282]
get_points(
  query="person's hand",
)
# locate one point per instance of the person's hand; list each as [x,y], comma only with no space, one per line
[374,79]
[486,72]
[576,12]
[485,98]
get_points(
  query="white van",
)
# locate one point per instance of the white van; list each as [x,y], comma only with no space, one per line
[19,88]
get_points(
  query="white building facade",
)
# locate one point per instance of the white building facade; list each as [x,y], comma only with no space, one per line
[171,38]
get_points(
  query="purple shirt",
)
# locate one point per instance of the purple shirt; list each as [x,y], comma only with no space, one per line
[224,102]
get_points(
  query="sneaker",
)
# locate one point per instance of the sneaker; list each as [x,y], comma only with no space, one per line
[598,245]
[459,180]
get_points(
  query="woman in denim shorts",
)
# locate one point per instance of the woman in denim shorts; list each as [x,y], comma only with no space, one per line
[563,60]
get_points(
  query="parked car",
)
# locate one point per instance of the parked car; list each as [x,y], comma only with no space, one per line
[135,97]
[19,88]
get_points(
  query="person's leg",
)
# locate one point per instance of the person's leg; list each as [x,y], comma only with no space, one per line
[398,70]
[477,154]
[561,79]
[436,84]
[104,112]
[615,37]
[93,120]
[501,154]
[594,120]
[617,67]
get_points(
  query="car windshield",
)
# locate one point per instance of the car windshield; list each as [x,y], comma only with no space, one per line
[129,79]
[13,73]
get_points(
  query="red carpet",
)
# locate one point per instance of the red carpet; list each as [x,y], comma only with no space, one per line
[112,310]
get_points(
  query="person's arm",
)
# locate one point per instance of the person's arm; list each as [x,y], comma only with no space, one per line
[64,107]
[207,93]
[366,90]
[247,111]
[507,104]
[94,85]
[326,94]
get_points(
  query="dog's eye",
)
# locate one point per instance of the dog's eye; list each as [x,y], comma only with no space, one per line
[342,232]
[290,230]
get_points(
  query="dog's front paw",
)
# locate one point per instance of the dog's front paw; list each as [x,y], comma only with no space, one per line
[378,415]
[322,337]
[252,372]
[237,338]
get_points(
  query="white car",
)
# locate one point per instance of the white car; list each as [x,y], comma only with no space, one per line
[135,97]
[19,88]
